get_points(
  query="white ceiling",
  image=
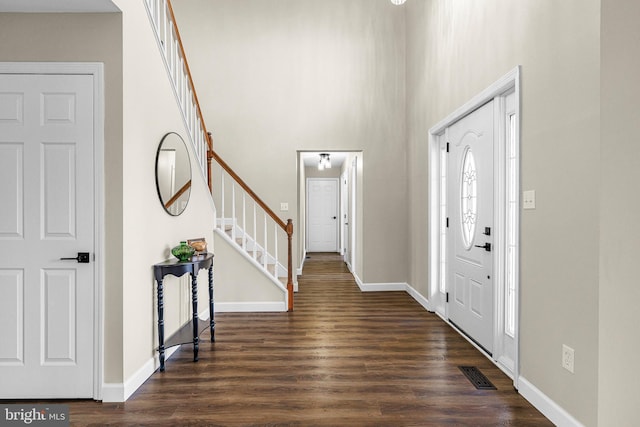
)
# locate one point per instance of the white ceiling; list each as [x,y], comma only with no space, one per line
[61,6]
[312,159]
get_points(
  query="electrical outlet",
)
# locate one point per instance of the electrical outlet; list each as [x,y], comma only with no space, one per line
[529,199]
[568,356]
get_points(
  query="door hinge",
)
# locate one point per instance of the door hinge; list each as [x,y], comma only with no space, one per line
[447,147]
[447,296]
[447,222]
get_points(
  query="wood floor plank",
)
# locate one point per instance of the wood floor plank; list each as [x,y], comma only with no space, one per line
[342,358]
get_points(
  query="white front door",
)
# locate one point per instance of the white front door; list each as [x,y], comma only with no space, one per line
[46,213]
[471,229]
[322,214]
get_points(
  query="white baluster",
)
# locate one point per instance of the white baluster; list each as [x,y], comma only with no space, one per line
[183,92]
[244,221]
[183,86]
[168,45]
[275,254]
[265,252]
[255,233]
[153,8]
[176,58]
[215,218]
[224,227]
[187,107]
[165,30]
[203,146]
[233,211]
[192,115]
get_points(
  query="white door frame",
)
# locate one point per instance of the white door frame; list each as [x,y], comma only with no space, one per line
[505,85]
[97,71]
[353,194]
[344,193]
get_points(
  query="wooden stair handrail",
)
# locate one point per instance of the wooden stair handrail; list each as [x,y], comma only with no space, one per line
[195,94]
[188,70]
[249,191]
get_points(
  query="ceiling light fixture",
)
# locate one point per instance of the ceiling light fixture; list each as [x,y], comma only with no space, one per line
[325,162]
[398,2]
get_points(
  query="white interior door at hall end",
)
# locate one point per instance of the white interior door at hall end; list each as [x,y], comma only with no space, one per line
[46,213]
[470,232]
[322,213]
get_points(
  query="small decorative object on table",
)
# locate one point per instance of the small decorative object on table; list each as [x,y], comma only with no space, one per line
[183,252]
[200,245]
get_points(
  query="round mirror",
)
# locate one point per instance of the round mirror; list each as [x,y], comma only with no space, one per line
[173,174]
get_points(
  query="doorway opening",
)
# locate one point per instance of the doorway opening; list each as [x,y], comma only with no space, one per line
[474,226]
[329,204]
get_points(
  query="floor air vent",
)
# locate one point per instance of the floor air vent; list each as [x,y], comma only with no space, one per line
[477,378]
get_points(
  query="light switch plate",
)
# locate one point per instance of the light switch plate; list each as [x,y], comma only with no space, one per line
[529,199]
[284,207]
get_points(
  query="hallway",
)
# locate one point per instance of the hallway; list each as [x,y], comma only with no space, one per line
[342,358]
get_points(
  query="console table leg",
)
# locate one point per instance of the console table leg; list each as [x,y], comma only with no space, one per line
[212,323]
[161,325]
[194,300]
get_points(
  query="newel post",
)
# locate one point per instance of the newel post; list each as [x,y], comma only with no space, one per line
[289,230]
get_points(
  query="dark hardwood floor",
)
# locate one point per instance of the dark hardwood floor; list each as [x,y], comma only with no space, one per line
[342,358]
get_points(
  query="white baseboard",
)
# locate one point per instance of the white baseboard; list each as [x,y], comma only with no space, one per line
[356,277]
[544,404]
[304,257]
[240,307]
[418,297]
[119,392]
[382,287]
[113,392]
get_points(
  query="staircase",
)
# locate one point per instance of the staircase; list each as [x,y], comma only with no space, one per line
[241,217]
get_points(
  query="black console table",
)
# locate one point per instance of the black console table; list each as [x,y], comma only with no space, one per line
[191,331]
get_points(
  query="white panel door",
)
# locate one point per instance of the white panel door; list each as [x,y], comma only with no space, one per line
[470,231]
[322,214]
[46,213]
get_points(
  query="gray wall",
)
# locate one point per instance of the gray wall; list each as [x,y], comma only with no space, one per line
[454,51]
[619,228]
[279,76]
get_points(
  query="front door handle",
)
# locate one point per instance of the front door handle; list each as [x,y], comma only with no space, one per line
[486,246]
[82,258]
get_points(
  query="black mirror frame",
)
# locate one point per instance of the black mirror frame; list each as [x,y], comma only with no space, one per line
[162,202]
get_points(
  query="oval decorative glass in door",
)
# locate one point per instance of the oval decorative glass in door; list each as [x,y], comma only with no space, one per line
[468,198]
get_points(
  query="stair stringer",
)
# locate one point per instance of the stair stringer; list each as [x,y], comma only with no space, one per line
[242,284]
[250,246]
